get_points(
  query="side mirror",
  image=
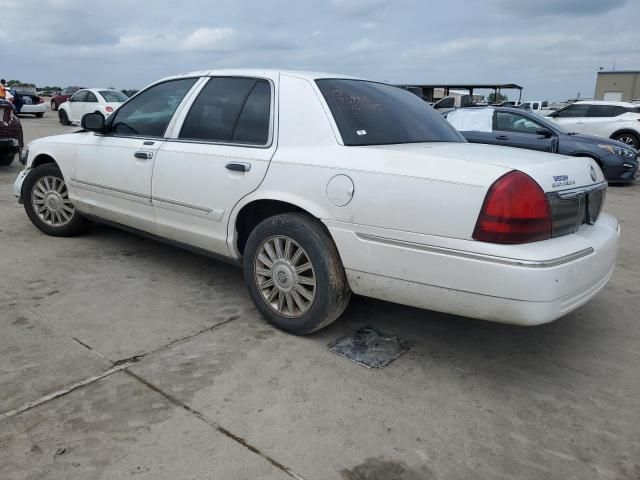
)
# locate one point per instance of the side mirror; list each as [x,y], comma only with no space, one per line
[93,122]
[544,132]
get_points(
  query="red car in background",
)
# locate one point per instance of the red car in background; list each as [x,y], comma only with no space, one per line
[63,96]
[11,141]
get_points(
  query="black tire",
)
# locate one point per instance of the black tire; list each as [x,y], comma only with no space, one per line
[64,119]
[54,106]
[628,139]
[75,226]
[332,292]
[40,115]
[6,158]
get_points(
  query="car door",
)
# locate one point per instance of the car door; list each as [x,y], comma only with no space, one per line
[219,152]
[114,169]
[76,105]
[571,117]
[603,120]
[521,131]
[90,104]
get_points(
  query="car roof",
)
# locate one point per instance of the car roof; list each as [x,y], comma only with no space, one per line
[606,102]
[268,73]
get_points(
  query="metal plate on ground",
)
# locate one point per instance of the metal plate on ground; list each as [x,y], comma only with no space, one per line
[370,348]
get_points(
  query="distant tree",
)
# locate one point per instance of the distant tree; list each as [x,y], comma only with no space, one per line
[497,98]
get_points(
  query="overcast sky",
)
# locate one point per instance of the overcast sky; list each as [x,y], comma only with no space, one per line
[551,47]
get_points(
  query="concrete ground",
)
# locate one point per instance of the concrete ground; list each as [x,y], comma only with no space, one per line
[121,357]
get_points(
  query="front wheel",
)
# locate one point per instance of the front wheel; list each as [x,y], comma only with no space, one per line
[64,118]
[39,115]
[628,139]
[294,273]
[54,106]
[46,201]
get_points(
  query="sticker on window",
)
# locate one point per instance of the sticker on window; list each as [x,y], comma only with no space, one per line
[361,132]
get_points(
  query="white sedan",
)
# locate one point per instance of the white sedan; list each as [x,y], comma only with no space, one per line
[616,120]
[90,100]
[322,185]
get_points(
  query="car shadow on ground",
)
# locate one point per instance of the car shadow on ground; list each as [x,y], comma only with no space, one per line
[555,350]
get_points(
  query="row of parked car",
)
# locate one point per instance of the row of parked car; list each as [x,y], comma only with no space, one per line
[321,185]
[607,132]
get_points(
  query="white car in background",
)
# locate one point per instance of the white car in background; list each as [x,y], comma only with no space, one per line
[321,185]
[616,120]
[90,100]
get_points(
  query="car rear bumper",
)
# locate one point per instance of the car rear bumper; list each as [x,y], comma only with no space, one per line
[522,290]
[37,108]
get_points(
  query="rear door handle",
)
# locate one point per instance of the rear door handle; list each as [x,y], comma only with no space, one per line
[502,137]
[143,155]
[238,166]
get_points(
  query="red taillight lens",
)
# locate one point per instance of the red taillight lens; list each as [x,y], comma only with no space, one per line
[40,100]
[108,109]
[515,210]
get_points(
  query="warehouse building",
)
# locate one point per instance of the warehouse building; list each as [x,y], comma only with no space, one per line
[618,85]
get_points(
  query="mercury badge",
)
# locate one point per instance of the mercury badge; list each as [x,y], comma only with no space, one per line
[592,172]
[562,180]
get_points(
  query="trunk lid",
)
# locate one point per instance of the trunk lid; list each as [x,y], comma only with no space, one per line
[552,172]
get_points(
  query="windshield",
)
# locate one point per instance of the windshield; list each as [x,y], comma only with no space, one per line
[113,96]
[369,113]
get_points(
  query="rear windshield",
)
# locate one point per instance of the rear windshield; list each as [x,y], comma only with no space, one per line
[25,89]
[113,96]
[369,113]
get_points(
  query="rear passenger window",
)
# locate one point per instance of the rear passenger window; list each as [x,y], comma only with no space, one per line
[230,109]
[605,111]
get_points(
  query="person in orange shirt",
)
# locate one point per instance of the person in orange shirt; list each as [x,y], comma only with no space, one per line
[3,89]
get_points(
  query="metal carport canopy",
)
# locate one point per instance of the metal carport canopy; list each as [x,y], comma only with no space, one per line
[468,86]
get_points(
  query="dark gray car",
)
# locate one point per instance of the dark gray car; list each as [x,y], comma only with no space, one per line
[513,127]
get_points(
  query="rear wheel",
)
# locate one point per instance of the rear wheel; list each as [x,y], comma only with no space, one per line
[47,203]
[6,158]
[628,139]
[294,273]
[63,117]
[54,106]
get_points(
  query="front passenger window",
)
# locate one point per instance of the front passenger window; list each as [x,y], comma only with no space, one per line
[149,113]
[79,97]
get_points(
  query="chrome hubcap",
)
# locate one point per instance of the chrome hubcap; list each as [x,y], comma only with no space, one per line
[50,201]
[285,276]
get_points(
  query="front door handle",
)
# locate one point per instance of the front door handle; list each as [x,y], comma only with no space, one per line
[502,137]
[143,155]
[238,166]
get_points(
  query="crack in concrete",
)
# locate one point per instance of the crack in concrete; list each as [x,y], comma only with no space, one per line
[123,365]
[116,366]
[64,391]
[216,426]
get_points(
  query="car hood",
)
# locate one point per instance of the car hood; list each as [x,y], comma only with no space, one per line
[552,172]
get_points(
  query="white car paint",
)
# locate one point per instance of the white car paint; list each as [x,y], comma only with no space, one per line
[33,108]
[97,103]
[404,236]
[607,127]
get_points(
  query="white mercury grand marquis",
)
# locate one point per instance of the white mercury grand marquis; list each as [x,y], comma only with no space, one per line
[323,185]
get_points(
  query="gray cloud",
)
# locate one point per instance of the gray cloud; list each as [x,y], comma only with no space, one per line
[553,48]
[562,7]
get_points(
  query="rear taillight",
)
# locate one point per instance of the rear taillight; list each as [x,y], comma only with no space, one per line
[515,210]
[40,100]
[108,109]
